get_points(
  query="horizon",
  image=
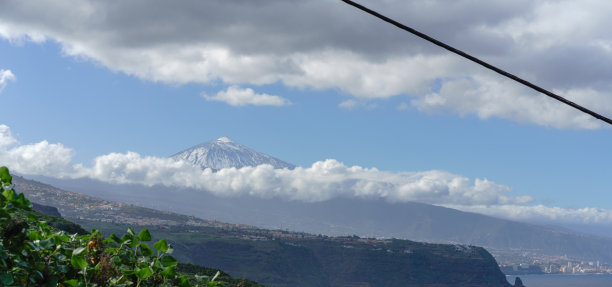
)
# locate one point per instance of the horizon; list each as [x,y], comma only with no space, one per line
[362,101]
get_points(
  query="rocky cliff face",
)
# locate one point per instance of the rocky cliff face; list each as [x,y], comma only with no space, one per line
[518,282]
[408,263]
[45,209]
[348,261]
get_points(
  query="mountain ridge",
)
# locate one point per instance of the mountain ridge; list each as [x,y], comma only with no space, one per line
[343,216]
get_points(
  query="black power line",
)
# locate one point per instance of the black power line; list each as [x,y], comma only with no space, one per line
[478,61]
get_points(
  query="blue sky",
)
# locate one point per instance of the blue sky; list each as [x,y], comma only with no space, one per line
[401,106]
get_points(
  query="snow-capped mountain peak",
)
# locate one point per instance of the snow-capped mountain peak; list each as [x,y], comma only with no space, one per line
[225,153]
[224,139]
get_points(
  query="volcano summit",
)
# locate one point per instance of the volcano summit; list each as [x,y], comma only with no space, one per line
[225,153]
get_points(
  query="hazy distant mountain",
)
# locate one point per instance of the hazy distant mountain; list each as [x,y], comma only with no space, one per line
[225,153]
[340,216]
[346,216]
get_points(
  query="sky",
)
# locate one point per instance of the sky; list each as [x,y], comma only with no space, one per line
[110,89]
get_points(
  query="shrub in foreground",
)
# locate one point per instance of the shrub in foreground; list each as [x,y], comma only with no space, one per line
[34,254]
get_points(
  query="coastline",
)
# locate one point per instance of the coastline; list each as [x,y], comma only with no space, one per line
[564,280]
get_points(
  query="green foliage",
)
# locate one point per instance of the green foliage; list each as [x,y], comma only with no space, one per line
[34,254]
[212,272]
[54,221]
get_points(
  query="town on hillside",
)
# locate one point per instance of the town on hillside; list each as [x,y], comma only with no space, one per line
[84,207]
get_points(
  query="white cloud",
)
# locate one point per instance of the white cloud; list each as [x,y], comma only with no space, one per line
[5,77]
[319,44]
[40,158]
[6,137]
[348,104]
[236,96]
[485,97]
[351,104]
[322,181]
[542,213]
[371,79]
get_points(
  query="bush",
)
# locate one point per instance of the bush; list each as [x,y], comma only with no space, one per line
[34,254]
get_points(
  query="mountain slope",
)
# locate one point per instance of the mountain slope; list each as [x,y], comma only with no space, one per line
[225,153]
[281,258]
[370,218]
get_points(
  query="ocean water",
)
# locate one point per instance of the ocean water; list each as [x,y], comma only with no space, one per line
[564,280]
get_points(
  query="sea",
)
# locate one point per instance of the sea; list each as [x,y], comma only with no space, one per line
[564,280]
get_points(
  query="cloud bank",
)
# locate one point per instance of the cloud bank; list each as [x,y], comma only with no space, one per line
[322,181]
[543,214]
[323,44]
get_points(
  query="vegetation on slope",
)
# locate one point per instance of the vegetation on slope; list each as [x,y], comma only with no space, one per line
[34,251]
[279,258]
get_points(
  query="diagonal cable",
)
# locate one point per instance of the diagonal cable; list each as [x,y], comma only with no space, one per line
[480,62]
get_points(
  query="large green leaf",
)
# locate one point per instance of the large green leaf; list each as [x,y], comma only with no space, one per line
[115,238]
[168,261]
[183,281]
[129,240]
[78,262]
[161,245]
[125,238]
[33,235]
[133,243]
[144,273]
[5,176]
[46,244]
[22,202]
[145,249]
[169,272]
[59,237]
[144,235]
[9,194]
[71,283]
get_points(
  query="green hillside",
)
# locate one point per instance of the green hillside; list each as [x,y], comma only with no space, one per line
[282,258]
[278,258]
